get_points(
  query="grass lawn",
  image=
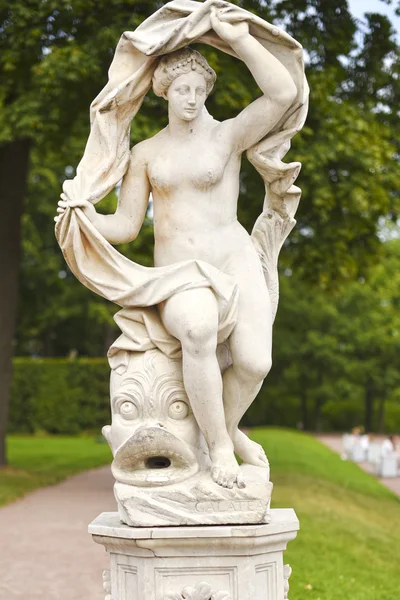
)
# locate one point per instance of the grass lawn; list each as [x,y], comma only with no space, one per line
[349,544]
[348,547]
[40,461]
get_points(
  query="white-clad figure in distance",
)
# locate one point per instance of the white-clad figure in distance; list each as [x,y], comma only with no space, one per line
[192,170]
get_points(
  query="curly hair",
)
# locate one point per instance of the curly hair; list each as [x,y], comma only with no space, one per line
[179,63]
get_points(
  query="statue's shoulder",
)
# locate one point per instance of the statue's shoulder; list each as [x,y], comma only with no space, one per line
[144,149]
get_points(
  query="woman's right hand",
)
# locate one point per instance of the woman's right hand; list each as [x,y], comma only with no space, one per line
[87,207]
[230,33]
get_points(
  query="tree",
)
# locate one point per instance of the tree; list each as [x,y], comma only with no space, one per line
[336,355]
[369,334]
[53,56]
[307,363]
[349,146]
[59,316]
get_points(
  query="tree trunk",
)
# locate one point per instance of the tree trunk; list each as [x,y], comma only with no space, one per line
[318,404]
[382,415]
[368,406]
[14,159]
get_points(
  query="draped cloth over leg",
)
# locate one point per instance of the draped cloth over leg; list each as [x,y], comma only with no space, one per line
[96,263]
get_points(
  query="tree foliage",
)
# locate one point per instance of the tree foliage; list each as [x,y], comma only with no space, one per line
[54,57]
[336,355]
[350,145]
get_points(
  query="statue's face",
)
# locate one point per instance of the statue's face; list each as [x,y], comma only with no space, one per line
[187,95]
[154,436]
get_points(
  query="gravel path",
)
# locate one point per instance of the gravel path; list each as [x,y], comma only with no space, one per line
[46,552]
[334,442]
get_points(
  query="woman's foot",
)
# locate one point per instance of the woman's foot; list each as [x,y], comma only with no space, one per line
[225,469]
[250,452]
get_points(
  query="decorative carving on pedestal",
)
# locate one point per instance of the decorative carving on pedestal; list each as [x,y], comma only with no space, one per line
[107,584]
[287,571]
[202,591]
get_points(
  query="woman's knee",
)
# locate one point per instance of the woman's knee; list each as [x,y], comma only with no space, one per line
[199,338]
[254,368]
[192,317]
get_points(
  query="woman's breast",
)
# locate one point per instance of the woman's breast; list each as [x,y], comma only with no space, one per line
[168,173]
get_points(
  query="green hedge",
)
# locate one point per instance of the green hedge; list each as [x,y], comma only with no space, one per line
[59,395]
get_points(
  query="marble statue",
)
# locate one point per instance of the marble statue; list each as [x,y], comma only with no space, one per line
[196,329]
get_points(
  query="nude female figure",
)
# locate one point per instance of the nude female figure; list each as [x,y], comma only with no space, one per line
[192,169]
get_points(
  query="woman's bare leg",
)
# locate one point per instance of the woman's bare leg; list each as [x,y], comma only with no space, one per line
[192,317]
[251,347]
[240,389]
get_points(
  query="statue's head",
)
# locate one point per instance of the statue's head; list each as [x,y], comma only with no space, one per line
[154,436]
[185,79]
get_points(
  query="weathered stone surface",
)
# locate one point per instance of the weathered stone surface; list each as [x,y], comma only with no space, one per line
[197,501]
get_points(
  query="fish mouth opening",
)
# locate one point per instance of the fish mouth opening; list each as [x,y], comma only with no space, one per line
[154,457]
[158,462]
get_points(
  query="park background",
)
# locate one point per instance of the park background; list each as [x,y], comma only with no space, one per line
[337,334]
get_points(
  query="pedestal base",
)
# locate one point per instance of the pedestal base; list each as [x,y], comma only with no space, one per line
[197,563]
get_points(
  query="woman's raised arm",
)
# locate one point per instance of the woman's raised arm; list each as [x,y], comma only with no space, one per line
[274,80]
[124,225]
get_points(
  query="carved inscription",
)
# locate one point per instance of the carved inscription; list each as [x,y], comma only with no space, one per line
[214,506]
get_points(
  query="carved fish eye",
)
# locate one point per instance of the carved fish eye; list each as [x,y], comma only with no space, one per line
[178,410]
[128,410]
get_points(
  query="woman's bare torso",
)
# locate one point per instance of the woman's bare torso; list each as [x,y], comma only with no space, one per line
[195,188]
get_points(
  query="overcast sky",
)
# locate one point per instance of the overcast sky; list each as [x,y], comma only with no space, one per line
[359,7]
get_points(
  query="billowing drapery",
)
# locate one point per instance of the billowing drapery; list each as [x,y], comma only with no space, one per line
[96,263]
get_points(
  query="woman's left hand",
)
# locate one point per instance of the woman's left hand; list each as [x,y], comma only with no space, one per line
[226,31]
[86,206]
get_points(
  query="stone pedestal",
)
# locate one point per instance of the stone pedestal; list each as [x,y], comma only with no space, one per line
[239,562]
